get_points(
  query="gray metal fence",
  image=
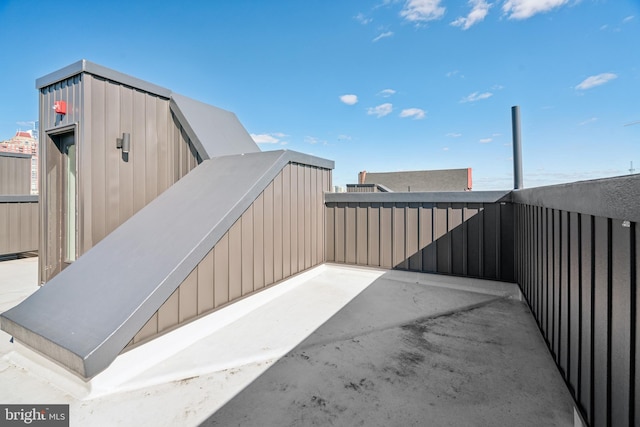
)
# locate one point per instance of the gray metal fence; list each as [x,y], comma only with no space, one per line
[577,254]
[461,233]
[18,224]
[15,173]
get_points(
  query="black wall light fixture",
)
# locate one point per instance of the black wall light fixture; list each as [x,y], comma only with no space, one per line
[124,144]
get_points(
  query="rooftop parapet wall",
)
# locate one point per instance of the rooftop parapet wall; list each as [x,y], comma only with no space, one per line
[421,197]
[459,233]
[617,197]
[87,314]
[15,173]
[18,209]
[18,224]
[577,256]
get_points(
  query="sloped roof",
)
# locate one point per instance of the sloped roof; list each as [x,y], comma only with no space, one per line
[213,131]
[86,315]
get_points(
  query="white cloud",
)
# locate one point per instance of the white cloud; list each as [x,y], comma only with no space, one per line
[422,10]
[386,93]
[586,122]
[381,110]
[523,9]
[344,138]
[604,27]
[313,140]
[485,140]
[349,99]
[415,113]
[269,138]
[476,96]
[628,19]
[361,18]
[28,124]
[445,149]
[452,73]
[383,36]
[454,135]
[386,3]
[597,80]
[479,10]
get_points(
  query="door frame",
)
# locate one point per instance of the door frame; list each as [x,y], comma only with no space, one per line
[55,257]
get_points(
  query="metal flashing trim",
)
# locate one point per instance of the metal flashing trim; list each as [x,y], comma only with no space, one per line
[84,66]
[61,74]
[307,159]
[608,197]
[56,130]
[19,198]
[421,197]
[86,315]
[17,155]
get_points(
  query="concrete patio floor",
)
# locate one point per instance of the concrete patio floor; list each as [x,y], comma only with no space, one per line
[336,345]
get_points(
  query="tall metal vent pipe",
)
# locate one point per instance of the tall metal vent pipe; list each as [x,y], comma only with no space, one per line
[517,148]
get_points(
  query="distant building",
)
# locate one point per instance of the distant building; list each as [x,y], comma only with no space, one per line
[25,142]
[413,181]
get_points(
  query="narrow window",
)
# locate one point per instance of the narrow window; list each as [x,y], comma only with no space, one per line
[69,152]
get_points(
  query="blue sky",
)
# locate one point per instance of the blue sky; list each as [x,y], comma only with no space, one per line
[378,85]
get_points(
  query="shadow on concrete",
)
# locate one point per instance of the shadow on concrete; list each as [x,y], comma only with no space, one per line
[413,349]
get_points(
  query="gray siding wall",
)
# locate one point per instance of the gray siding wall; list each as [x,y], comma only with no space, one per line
[578,269]
[279,235]
[18,225]
[110,189]
[470,239]
[15,174]
[414,181]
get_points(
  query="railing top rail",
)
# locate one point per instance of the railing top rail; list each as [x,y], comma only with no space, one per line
[19,198]
[617,197]
[421,197]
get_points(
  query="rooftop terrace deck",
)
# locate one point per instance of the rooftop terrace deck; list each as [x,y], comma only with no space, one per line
[336,345]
